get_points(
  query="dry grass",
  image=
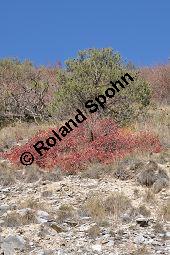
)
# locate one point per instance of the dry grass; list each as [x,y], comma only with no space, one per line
[141,251]
[149,196]
[31,174]
[47,193]
[34,173]
[148,175]
[142,209]
[136,193]
[16,132]
[159,185]
[158,122]
[153,175]
[132,249]
[164,211]
[100,208]
[117,203]
[7,174]
[96,171]
[65,212]
[53,176]
[158,227]
[19,131]
[94,206]
[93,231]
[34,203]
[14,219]
[10,174]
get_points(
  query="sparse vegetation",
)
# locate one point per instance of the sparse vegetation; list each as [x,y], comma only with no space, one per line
[96,171]
[148,175]
[33,203]
[149,196]
[151,174]
[158,227]
[142,209]
[10,175]
[100,207]
[7,174]
[127,142]
[159,79]
[84,143]
[117,203]
[94,206]
[93,231]
[40,94]
[136,193]
[65,211]
[160,184]
[141,251]
[164,211]
[15,219]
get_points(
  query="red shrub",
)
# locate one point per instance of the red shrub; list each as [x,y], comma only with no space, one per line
[78,149]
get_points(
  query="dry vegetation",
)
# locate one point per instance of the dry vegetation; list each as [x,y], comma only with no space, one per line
[144,175]
[100,207]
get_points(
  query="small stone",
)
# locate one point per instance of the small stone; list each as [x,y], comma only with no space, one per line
[167,234]
[23,212]
[4,208]
[11,243]
[104,241]
[40,252]
[84,228]
[139,239]
[97,247]
[56,227]
[42,216]
[142,222]
[71,223]
[126,218]
[1,224]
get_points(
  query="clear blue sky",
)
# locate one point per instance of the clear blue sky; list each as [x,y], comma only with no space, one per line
[45,31]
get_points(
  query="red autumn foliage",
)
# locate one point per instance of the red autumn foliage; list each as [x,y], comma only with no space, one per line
[78,149]
[159,79]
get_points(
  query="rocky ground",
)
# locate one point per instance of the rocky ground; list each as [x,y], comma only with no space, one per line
[78,215]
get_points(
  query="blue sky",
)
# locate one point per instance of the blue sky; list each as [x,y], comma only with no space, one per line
[47,31]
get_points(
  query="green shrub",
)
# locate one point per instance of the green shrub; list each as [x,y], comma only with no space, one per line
[89,75]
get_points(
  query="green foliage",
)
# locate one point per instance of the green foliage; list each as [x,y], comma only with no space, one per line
[89,75]
[33,94]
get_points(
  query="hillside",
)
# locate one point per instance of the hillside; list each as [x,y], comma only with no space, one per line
[99,181]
